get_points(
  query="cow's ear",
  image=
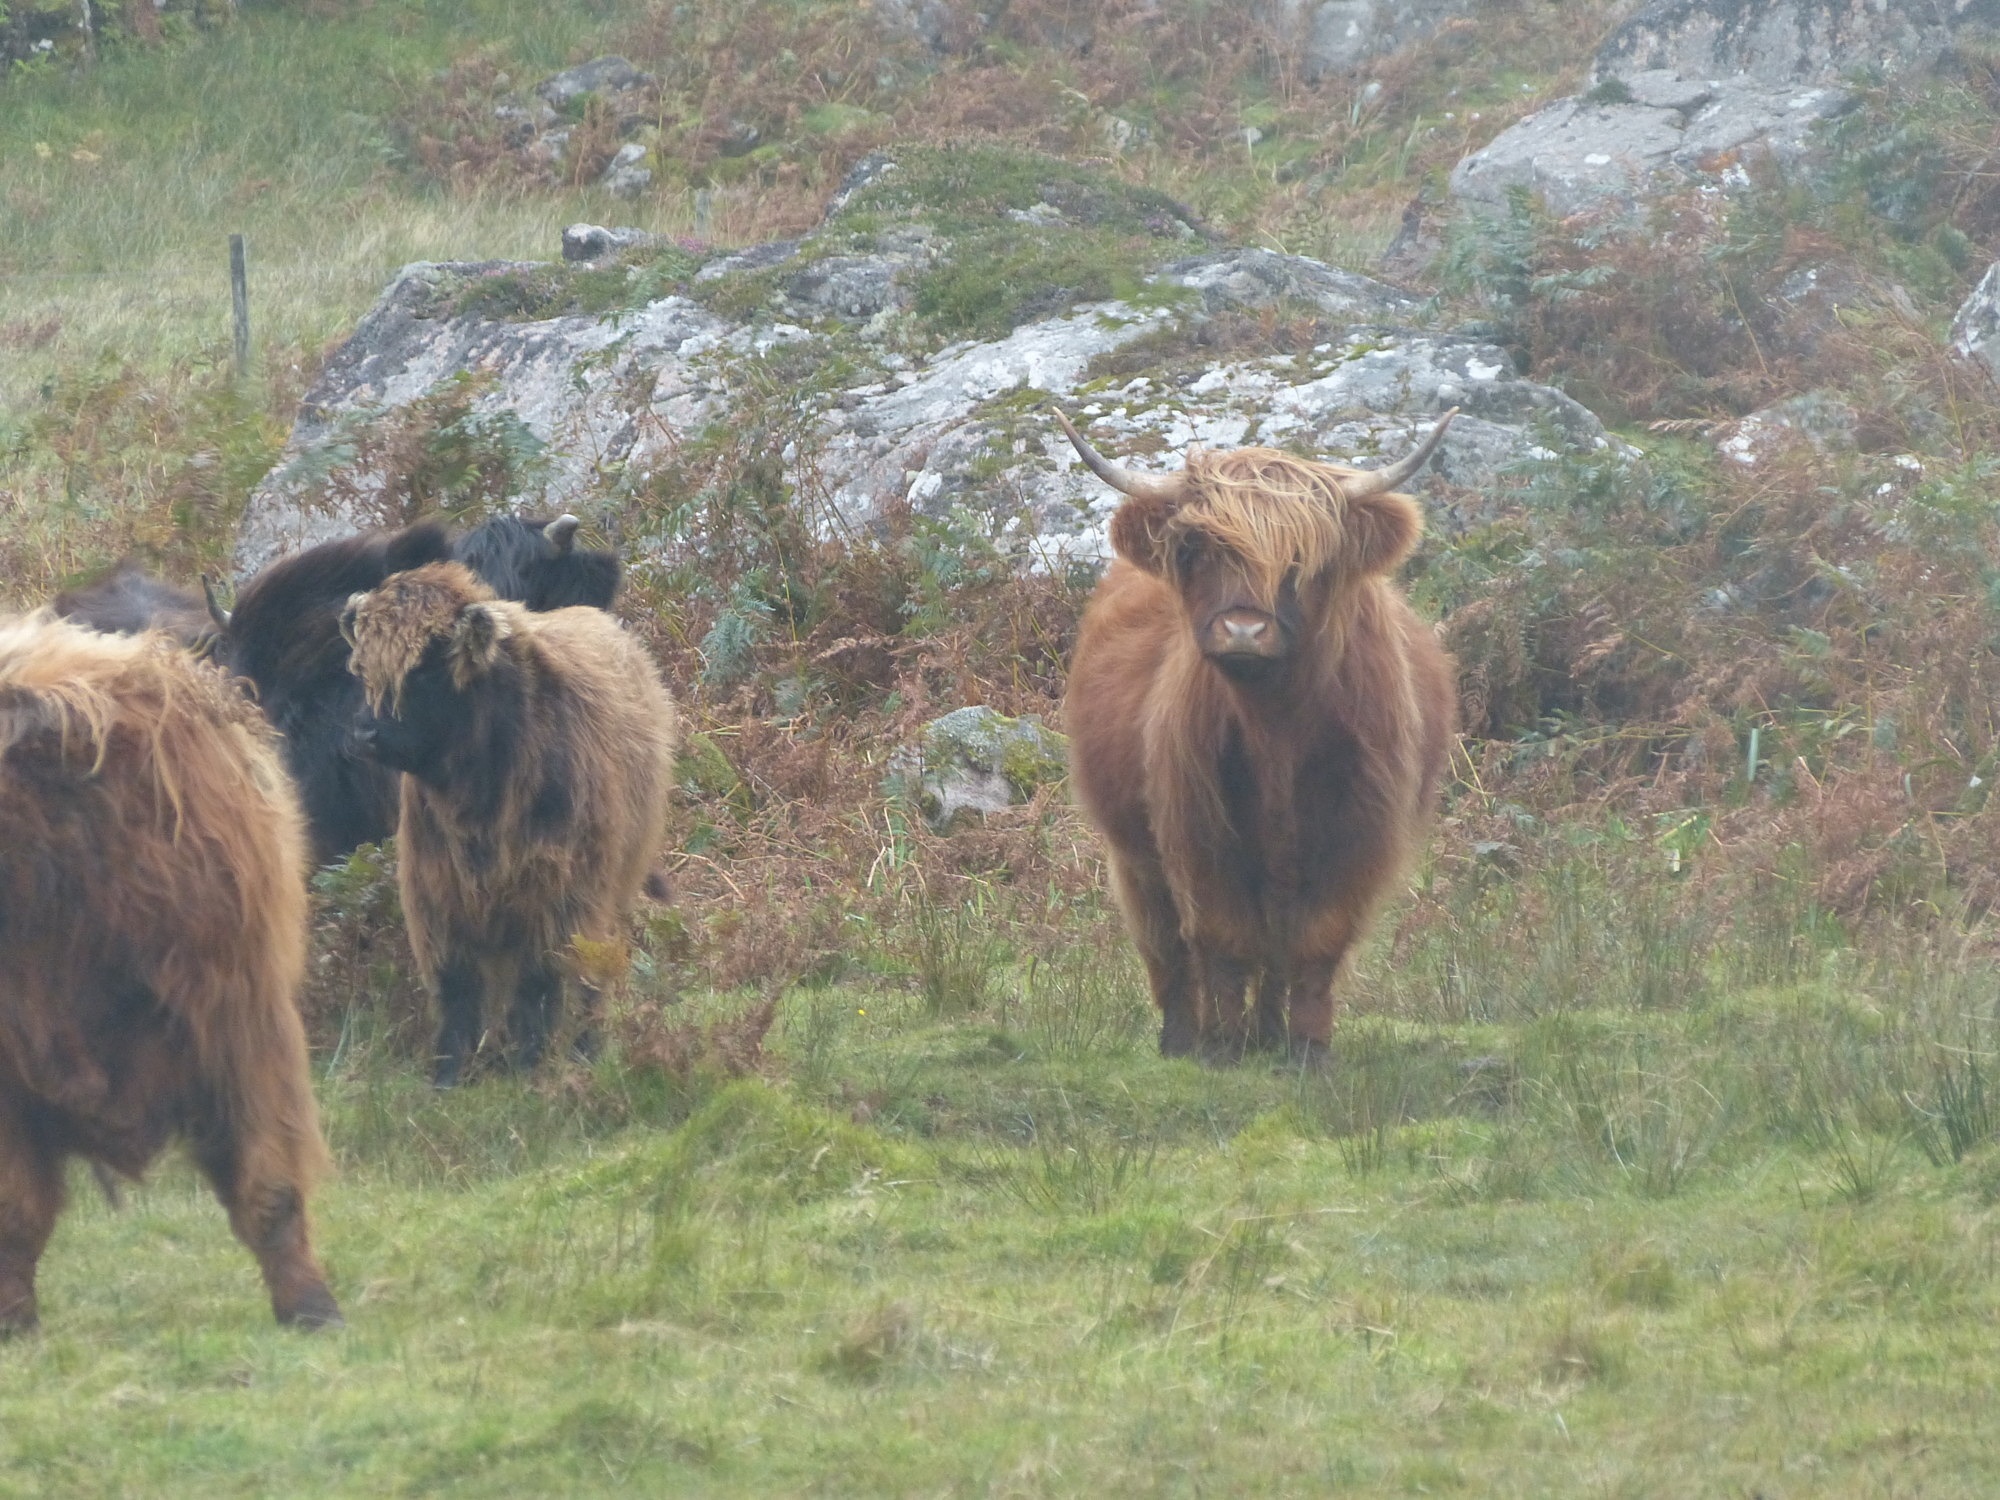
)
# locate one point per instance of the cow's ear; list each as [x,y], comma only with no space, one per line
[475,642]
[1138,530]
[414,547]
[1382,531]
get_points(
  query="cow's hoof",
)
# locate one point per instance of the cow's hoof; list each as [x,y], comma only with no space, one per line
[314,1309]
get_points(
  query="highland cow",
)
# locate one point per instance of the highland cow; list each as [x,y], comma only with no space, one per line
[284,636]
[125,600]
[1258,725]
[537,751]
[153,922]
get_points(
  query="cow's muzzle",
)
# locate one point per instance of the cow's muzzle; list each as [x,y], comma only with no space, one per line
[1245,642]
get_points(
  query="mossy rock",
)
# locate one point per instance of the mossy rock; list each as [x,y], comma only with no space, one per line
[976,761]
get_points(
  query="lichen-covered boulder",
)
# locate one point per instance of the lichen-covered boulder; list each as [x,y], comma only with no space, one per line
[1627,138]
[1781,43]
[1821,421]
[977,760]
[1685,89]
[887,413]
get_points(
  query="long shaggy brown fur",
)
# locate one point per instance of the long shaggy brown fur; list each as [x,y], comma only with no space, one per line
[1256,819]
[153,922]
[535,803]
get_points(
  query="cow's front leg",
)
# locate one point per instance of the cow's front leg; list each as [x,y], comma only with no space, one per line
[1149,910]
[1297,1016]
[31,1195]
[461,997]
[1224,1025]
[537,1000]
[257,1181]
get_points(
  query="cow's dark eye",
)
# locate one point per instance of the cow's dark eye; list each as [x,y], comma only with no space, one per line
[1188,552]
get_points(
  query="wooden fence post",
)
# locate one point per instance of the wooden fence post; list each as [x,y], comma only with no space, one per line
[239,301]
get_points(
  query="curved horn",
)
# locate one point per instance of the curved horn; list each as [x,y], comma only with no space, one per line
[215,610]
[1118,477]
[1379,481]
[560,535]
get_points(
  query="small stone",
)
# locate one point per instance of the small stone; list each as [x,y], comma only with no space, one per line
[602,75]
[977,760]
[581,242]
[624,177]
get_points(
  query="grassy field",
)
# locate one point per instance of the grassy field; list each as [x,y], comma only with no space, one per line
[1597,1245]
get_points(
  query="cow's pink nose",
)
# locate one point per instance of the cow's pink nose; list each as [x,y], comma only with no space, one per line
[1244,632]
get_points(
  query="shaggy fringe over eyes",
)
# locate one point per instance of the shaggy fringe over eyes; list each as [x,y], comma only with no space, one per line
[395,625]
[1273,510]
[89,686]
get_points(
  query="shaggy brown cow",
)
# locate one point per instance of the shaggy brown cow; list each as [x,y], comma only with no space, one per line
[153,922]
[537,752]
[1258,723]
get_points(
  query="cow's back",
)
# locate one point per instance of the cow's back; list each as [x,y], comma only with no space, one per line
[631,725]
[152,854]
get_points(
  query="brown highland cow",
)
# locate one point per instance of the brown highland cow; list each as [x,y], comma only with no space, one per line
[153,927]
[1258,724]
[537,752]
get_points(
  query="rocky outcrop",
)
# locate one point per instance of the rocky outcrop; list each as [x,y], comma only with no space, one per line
[1686,90]
[1610,147]
[539,125]
[1780,44]
[958,430]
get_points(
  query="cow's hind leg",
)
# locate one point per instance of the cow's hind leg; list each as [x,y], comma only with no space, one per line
[537,1002]
[31,1195]
[1156,932]
[461,991]
[260,1188]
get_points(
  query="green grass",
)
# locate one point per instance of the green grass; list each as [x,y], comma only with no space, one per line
[1012,1252]
[278,127]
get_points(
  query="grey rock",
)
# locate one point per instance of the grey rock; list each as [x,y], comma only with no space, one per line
[585,242]
[927,21]
[1341,36]
[1264,278]
[601,75]
[605,394]
[857,288]
[865,173]
[1574,154]
[1688,88]
[1824,422]
[1975,332]
[1785,43]
[977,760]
[756,258]
[623,176]
[613,397]
[1579,154]
[740,139]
